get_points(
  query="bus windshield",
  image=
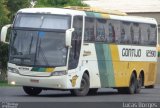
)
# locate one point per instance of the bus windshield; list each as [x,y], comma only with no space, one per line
[45,21]
[40,43]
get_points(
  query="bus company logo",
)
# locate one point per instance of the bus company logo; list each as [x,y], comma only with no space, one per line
[73,80]
[129,52]
[23,68]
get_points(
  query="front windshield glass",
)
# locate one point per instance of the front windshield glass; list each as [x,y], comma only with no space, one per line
[38,46]
[44,21]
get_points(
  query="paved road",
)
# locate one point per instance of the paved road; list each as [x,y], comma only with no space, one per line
[16,94]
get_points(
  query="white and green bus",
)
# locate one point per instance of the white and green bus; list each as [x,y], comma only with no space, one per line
[81,50]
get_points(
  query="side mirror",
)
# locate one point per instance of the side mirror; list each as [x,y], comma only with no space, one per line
[69,37]
[4,33]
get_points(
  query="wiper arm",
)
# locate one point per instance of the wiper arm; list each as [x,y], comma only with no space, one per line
[30,46]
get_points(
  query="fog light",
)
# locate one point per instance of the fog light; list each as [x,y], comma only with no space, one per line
[58,73]
[13,83]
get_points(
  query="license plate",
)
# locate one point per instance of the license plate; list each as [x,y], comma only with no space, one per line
[34,81]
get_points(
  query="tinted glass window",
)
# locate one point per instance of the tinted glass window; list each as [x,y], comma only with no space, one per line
[89,30]
[144,34]
[136,33]
[153,35]
[100,30]
[76,42]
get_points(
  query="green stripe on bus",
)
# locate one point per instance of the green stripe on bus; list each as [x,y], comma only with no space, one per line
[38,69]
[97,15]
[93,14]
[109,64]
[105,65]
[90,14]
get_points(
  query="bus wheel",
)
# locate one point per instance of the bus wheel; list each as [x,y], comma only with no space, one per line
[150,86]
[139,84]
[84,89]
[33,91]
[93,91]
[132,86]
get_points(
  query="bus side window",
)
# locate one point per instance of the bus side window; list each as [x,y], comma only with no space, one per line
[144,33]
[132,34]
[125,33]
[89,30]
[100,30]
[76,42]
[136,33]
[153,35]
[111,33]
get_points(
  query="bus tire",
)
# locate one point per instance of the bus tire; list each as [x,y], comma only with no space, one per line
[132,85]
[139,84]
[149,87]
[84,88]
[93,91]
[32,91]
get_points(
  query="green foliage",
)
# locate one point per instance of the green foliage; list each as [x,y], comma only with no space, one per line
[3,55]
[59,3]
[15,5]
[3,13]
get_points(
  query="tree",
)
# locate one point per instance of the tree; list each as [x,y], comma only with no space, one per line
[15,5]
[3,20]
[59,3]
[3,47]
[3,13]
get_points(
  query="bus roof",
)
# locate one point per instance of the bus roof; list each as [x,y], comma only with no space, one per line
[90,13]
[60,11]
[134,19]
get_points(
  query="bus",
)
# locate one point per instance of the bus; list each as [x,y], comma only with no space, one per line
[81,49]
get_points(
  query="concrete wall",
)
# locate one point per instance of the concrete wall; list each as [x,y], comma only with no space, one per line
[155,15]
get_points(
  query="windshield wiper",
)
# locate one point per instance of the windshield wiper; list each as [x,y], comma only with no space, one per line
[30,46]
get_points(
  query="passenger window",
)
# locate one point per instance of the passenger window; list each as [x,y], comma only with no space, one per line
[136,33]
[89,30]
[100,30]
[111,35]
[125,33]
[144,32]
[153,35]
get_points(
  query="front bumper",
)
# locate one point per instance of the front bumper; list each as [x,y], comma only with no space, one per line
[55,82]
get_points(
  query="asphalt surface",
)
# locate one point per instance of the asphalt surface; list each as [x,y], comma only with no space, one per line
[16,94]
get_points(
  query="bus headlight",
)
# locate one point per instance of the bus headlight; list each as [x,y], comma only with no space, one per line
[13,70]
[58,73]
